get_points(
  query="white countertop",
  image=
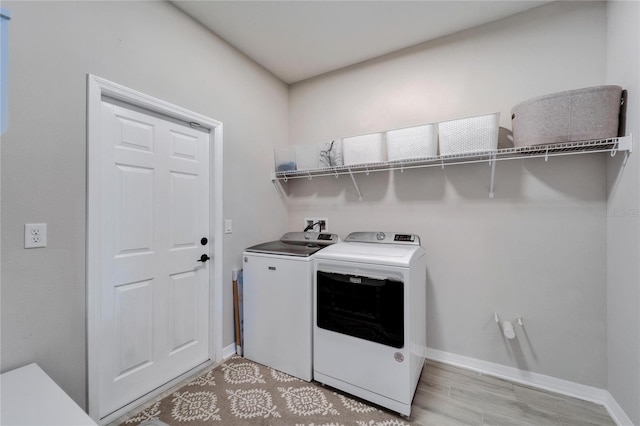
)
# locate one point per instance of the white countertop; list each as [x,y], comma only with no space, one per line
[30,397]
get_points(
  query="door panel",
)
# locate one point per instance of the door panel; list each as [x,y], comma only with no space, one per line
[184,212]
[184,146]
[184,303]
[134,208]
[134,330]
[155,293]
[134,134]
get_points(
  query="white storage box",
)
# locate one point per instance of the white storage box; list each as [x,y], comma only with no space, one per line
[364,149]
[309,156]
[285,159]
[306,156]
[412,142]
[574,115]
[468,135]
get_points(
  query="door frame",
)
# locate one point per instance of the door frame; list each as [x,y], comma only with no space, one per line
[98,87]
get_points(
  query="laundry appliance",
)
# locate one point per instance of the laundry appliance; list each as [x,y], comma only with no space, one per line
[277,301]
[369,333]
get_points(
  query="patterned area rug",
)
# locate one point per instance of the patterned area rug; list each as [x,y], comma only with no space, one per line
[241,392]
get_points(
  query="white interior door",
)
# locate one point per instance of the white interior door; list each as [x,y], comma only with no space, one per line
[154,301]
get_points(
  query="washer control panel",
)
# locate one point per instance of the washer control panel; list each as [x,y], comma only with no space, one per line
[319,238]
[383,238]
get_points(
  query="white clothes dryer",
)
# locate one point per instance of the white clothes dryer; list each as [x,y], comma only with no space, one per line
[369,333]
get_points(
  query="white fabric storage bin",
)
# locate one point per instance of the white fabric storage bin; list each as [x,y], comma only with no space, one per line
[364,149]
[468,135]
[412,142]
[306,156]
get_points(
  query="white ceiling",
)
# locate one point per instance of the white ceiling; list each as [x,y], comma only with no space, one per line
[297,40]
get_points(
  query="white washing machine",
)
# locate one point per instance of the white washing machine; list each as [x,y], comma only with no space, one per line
[369,334]
[277,301]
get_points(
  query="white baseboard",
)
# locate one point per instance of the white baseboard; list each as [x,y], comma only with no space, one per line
[616,412]
[541,381]
[228,351]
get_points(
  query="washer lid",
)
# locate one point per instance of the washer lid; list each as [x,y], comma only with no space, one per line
[286,249]
[378,254]
[302,244]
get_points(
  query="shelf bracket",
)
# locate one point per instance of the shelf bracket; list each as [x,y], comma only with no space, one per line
[278,186]
[355,184]
[623,143]
[492,162]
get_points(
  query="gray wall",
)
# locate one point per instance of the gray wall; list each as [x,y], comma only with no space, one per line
[148,46]
[623,221]
[538,249]
[542,249]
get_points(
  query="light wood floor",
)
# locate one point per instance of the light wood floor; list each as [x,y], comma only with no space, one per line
[451,396]
[448,395]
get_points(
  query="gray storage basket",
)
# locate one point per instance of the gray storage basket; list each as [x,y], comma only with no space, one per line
[574,115]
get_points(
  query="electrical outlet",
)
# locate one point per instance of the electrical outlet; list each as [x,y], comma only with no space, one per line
[35,235]
[320,224]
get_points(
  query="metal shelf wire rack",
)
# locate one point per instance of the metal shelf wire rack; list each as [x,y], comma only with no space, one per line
[610,145]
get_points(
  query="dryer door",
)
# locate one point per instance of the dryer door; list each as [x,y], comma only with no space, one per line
[360,306]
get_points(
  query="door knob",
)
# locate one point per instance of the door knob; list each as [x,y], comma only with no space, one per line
[203,258]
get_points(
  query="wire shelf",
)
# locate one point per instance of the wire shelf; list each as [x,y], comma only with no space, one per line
[610,145]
